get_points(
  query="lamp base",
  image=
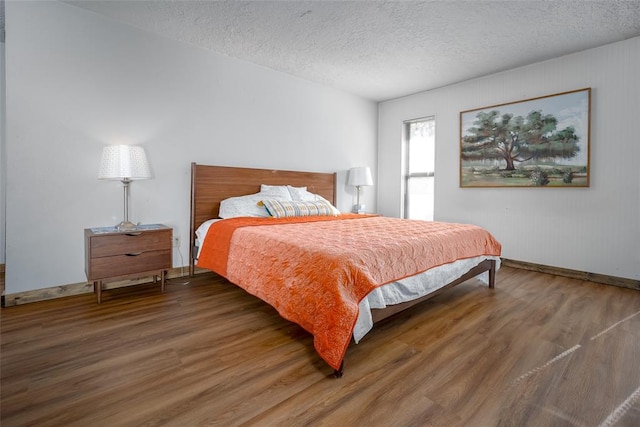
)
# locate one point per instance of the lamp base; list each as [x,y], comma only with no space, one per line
[359,208]
[126,226]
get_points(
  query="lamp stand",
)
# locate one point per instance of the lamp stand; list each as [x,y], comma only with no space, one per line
[358,208]
[126,225]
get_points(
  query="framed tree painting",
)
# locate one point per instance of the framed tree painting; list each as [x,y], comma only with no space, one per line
[538,142]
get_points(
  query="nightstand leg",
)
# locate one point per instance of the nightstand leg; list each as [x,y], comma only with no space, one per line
[163,274]
[97,289]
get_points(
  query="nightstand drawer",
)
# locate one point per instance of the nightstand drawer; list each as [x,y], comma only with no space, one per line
[130,263]
[134,242]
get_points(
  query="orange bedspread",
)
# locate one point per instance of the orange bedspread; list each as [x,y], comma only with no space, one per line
[316,270]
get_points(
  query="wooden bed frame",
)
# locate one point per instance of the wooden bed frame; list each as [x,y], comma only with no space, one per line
[212,184]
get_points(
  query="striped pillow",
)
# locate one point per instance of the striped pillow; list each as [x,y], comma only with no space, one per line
[286,208]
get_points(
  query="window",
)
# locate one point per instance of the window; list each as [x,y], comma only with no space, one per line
[419,165]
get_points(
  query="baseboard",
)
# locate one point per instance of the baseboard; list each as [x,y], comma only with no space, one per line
[2,270]
[574,274]
[84,288]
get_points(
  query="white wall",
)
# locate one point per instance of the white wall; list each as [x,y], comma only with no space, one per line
[594,229]
[3,166]
[77,81]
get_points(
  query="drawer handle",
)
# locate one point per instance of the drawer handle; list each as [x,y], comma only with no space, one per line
[134,254]
[134,234]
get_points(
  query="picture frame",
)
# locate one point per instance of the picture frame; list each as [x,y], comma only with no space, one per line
[541,142]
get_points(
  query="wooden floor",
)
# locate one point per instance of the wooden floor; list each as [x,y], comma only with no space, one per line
[539,350]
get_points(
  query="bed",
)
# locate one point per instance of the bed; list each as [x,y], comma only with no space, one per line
[335,276]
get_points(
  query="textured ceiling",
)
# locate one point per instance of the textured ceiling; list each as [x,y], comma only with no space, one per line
[383,49]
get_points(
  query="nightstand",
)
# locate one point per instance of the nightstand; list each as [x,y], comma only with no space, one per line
[112,255]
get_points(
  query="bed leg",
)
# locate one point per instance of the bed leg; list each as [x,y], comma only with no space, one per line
[337,373]
[492,275]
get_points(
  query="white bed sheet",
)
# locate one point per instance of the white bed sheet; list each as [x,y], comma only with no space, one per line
[404,290]
[414,287]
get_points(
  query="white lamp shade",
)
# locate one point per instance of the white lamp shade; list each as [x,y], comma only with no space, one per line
[124,162]
[360,176]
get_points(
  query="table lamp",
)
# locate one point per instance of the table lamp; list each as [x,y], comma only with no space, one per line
[124,163]
[359,177]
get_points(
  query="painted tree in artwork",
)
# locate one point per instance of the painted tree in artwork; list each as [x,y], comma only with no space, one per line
[518,139]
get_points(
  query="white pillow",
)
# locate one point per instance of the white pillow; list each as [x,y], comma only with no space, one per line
[248,205]
[275,190]
[301,194]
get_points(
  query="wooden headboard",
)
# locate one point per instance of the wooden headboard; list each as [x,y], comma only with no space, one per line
[212,184]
